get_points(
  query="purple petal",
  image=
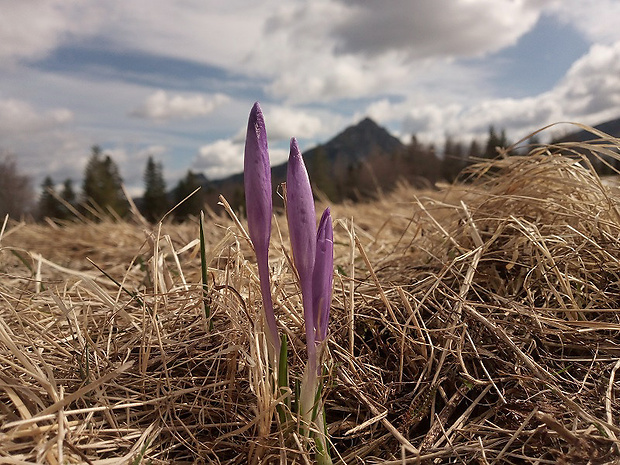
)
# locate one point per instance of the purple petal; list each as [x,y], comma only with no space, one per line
[257,181]
[301,225]
[323,274]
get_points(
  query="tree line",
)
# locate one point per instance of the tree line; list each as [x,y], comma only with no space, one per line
[417,164]
[102,194]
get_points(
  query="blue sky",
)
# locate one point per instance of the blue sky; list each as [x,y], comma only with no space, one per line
[176,80]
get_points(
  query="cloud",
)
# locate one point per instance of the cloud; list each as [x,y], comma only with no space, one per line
[160,106]
[20,119]
[219,159]
[30,30]
[359,50]
[426,29]
[589,93]
[591,87]
[225,157]
[327,50]
[596,19]
[285,122]
[155,151]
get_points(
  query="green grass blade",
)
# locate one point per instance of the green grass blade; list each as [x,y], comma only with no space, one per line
[23,260]
[285,417]
[121,287]
[203,267]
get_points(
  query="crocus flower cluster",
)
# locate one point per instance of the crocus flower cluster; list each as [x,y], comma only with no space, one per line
[312,253]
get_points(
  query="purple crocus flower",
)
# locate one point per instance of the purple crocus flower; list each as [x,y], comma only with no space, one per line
[323,275]
[302,232]
[313,256]
[257,180]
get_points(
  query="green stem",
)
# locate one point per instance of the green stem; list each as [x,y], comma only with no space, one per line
[203,267]
[283,412]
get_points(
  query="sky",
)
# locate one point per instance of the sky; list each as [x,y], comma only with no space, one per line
[175,79]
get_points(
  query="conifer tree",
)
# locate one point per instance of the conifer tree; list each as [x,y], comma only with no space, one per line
[103,184]
[16,193]
[454,159]
[495,140]
[474,152]
[49,206]
[193,204]
[68,195]
[155,201]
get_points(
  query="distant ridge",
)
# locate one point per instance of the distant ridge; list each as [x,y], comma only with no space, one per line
[603,164]
[611,127]
[348,147]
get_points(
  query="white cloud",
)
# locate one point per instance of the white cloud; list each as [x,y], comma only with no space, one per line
[325,50]
[285,122]
[432,29]
[346,49]
[160,106]
[31,29]
[20,119]
[225,157]
[155,151]
[591,88]
[596,19]
[589,93]
[219,159]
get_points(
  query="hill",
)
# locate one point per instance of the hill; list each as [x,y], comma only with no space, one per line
[611,127]
[350,165]
[602,162]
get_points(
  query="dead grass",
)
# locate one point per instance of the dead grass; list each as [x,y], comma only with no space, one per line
[474,324]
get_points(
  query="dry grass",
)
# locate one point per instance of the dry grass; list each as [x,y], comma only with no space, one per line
[475,324]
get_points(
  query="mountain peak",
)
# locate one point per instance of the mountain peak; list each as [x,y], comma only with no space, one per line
[358,141]
[345,149]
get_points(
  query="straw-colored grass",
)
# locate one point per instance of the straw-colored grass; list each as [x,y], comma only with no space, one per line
[479,323]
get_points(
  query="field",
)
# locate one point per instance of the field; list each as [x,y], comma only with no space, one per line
[476,323]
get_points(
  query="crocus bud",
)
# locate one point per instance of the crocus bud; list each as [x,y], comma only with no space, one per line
[301,226]
[323,274]
[257,180]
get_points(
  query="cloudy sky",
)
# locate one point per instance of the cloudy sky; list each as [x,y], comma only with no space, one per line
[176,79]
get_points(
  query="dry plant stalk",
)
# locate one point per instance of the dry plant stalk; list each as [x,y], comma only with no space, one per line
[488,310]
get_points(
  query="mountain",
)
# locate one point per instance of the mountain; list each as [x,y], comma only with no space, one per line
[611,127]
[603,164]
[334,167]
[357,142]
[350,146]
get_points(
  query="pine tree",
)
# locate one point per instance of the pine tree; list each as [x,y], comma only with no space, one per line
[68,195]
[16,193]
[192,205]
[532,143]
[49,206]
[155,202]
[474,153]
[494,141]
[454,159]
[103,184]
